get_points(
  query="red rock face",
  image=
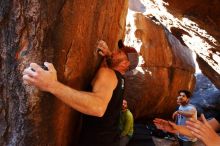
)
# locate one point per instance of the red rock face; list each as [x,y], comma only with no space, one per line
[64,33]
[206,14]
[195,24]
[168,67]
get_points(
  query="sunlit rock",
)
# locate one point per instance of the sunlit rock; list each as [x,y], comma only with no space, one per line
[167,67]
[196,25]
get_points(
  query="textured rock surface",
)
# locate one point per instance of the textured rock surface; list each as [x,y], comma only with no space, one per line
[206,96]
[206,14]
[63,32]
[166,68]
[209,72]
[195,24]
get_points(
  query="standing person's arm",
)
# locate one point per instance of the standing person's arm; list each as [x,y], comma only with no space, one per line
[205,130]
[91,103]
[174,115]
[188,113]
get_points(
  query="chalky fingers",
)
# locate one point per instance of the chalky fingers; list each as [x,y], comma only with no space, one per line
[28,79]
[28,71]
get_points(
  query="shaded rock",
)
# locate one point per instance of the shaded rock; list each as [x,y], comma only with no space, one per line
[208,71]
[206,96]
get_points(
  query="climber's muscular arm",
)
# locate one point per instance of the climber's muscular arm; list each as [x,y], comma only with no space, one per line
[91,103]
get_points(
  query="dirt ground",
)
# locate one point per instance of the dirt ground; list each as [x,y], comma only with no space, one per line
[164,142]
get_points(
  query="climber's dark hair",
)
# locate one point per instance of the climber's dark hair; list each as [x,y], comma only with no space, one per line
[187,92]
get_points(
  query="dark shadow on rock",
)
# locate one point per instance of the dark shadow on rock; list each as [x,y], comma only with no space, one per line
[143,134]
[141,137]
